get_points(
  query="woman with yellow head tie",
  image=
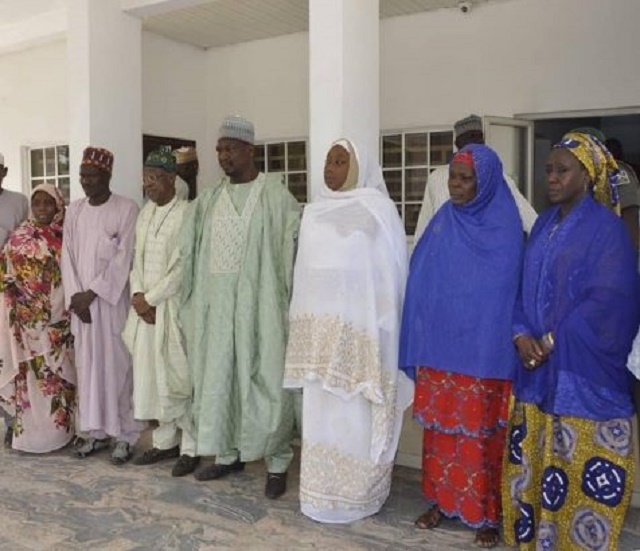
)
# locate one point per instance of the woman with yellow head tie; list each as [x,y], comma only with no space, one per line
[569,463]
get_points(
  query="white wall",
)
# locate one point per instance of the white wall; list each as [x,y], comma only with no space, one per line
[520,56]
[174,98]
[503,58]
[436,67]
[33,103]
[266,81]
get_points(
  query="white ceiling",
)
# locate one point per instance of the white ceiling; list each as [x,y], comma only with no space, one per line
[15,11]
[224,22]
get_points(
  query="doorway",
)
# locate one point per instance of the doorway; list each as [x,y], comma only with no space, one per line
[549,129]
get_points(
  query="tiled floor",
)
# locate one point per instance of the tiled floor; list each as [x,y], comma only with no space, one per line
[56,502]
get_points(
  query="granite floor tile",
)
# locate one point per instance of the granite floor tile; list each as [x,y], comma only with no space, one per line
[56,502]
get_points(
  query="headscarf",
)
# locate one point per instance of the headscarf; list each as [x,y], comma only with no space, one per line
[599,164]
[364,174]
[463,280]
[54,192]
[348,290]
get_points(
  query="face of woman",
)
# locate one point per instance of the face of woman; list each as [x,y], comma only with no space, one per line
[567,180]
[462,183]
[336,167]
[44,208]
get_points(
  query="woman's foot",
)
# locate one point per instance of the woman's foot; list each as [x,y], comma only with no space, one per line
[430,519]
[487,537]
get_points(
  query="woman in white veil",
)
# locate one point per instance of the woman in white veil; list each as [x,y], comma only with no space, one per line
[345,317]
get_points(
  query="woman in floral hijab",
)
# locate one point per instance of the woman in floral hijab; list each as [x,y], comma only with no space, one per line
[37,377]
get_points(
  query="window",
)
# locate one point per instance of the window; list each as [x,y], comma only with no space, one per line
[407,160]
[49,165]
[289,158]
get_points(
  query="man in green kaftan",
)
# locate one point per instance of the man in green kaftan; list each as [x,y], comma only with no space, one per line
[238,251]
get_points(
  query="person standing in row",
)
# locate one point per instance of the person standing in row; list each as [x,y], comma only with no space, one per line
[456,342]
[161,379]
[96,260]
[349,281]
[37,375]
[568,471]
[14,209]
[239,247]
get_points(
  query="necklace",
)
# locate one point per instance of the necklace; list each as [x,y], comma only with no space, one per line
[159,226]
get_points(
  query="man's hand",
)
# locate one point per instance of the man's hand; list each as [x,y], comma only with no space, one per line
[80,303]
[149,316]
[85,316]
[140,304]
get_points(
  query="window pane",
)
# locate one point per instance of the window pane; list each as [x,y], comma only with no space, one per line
[298,186]
[50,161]
[275,157]
[392,151]
[65,188]
[441,148]
[411,213]
[393,179]
[415,149]
[415,180]
[37,163]
[258,157]
[63,160]
[297,153]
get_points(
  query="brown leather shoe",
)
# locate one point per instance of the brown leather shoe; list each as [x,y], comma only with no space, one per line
[276,485]
[215,471]
[185,465]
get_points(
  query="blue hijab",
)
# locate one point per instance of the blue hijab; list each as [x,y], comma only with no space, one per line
[463,281]
[580,281]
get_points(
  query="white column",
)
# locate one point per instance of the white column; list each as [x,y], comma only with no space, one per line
[104,53]
[344,78]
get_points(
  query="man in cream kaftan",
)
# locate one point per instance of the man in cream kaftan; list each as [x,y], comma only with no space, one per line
[96,260]
[161,378]
[239,249]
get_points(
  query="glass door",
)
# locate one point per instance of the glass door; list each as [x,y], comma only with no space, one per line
[513,140]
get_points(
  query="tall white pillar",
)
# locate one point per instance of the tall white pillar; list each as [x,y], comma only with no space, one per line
[104,54]
[344,78]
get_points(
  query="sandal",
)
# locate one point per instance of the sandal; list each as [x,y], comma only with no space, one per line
[85,448]
[430,519]
[8,438]
[487,537]
[121,453]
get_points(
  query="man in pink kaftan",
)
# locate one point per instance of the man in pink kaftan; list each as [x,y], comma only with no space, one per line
[96,261]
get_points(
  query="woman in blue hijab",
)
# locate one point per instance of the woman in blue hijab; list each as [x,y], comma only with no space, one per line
[569,465]
[456,341]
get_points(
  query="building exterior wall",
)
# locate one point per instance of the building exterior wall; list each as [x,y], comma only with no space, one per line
[33,103]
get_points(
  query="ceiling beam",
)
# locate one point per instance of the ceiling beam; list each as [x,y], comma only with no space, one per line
[147,8]
[34,31]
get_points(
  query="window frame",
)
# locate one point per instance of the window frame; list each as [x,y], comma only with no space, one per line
[30,181]
[264,144]
[402,168]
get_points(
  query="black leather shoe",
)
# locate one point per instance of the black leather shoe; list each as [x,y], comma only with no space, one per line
[215,471]
[154,455]
[185,465]
[276,485]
